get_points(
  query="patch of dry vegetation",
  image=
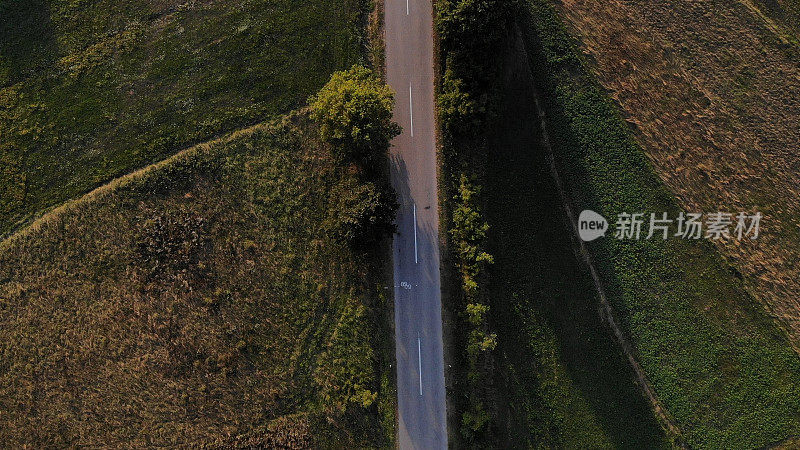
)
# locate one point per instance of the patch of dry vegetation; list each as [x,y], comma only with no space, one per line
[714,97]
[205,300]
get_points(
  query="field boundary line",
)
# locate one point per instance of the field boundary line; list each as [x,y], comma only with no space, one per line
[112,186]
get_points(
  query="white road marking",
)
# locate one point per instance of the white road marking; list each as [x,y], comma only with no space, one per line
[411,108]
[406,7]
[416,260]
[419,352]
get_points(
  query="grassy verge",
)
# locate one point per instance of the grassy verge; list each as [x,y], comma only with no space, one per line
[387,404]
[206,300]
[91,90]
[723,369]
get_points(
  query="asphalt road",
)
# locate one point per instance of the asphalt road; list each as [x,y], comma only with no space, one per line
[418,310]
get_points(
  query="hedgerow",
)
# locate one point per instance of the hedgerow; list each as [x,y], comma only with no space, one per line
[469,32]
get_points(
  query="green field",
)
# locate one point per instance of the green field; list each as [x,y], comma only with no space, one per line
[722,368]
[564,380]
[207,300]
[91,89]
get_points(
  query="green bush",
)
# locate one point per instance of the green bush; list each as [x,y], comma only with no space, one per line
[469,30]
[457,110]
[469,233]
[354,113]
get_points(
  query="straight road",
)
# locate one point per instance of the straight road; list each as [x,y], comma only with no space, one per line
[417,300]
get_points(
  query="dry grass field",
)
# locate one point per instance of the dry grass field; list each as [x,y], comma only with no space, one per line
[205,300]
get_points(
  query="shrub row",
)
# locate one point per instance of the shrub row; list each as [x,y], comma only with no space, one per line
[469,32]
[468,234]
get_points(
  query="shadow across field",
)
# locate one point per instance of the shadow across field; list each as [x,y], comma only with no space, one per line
[567,383]
[718,363]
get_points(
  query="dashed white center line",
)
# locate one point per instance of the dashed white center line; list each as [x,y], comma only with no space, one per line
[419,352]
[411,108]
[406,7]
[416,259]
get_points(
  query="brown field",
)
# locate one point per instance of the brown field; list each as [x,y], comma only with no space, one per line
[712,91]
[205,300]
